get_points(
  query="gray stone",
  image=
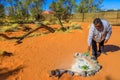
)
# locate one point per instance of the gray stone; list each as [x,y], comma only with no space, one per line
[84,73]
[70,72]
[81,60]
[89,73]
[92,72]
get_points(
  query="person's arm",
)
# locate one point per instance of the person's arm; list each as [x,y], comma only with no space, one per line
[90,36]
[109,32]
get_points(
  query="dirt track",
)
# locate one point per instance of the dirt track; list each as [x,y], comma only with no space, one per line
[41,54]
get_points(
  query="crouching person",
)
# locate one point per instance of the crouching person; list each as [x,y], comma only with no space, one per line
[99,32]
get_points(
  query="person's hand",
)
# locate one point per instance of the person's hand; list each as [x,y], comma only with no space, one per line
[106,41]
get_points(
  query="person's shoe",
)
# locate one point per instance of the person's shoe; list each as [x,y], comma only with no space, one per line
[98,54]
[99,51]
[103,52]
[94,57]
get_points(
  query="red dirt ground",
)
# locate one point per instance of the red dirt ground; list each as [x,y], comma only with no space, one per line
[38,55]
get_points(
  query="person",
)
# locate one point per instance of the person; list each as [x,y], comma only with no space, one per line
[99,32]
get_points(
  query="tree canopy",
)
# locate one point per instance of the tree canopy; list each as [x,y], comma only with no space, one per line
[31,9]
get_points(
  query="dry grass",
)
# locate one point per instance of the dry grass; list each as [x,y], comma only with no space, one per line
[11,28]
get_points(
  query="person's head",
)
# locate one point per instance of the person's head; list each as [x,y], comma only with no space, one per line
[97,23]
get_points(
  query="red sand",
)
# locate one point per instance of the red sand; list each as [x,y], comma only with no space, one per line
[41,54]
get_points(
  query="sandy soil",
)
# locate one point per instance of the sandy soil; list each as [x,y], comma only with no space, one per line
[36,56]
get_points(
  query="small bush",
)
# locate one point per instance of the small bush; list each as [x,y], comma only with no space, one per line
[26,28]
[34,35]
[57,22]
[87,53]
[12,28]
[85,67]
[37,24]
[4,29]
[63,21]
[1,52]
[4,53]
[54,22]
[70,21]
[46,22]
[75,26]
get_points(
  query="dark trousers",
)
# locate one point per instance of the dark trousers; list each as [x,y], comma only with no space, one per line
[94,47]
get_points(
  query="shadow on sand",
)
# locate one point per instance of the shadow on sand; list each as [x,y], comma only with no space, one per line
[111,48]
[108,78]
[5,73]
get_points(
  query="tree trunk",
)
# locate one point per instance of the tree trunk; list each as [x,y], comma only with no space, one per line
[20,38]
[62,27]
[60,21]
[42,26]
[83,17]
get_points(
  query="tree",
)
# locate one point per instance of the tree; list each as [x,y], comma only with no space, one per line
[23,9]
[62,9]
[11,8]
[36,8]
[2,12]
[88,6]
[69,7]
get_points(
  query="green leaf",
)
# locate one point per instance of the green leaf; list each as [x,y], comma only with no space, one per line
[87,53]
[85,67]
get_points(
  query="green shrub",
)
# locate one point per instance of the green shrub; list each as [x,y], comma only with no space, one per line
[26,28]
[1,52]
[74,26]
[11,28]
[63,21]
[34,34]
[57,22]
[5,53]
[87,53]
[46,22]
[54,22]
[85,67]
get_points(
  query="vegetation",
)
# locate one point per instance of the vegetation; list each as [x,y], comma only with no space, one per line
[2,13]
[4,53]
[85,67]
[87,53]
[31,10]
[1,52]
[86,6]
[74,26]
[46,22]
[62,10]
[22,10]
[13,28]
